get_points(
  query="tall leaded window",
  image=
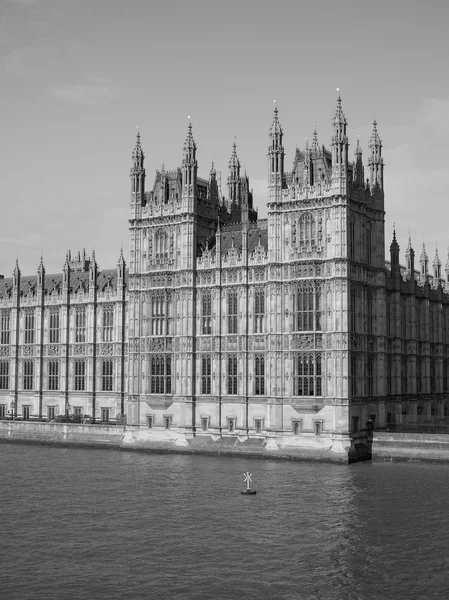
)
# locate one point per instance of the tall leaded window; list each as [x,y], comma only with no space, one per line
[5,327]
[108,323]
[161,374]
[307,229]
[29,328]
[161,315]
[4,375]
[307,309]
[206,375]
[259,375]
[106,376]
[80,325]
[232,312]
[80,375]
[207,313]
[307,375]
[259,310]
[53,375]
[232,375]
[28,375]
[54,328]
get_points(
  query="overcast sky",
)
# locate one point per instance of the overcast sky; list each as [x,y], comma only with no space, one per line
[79,75]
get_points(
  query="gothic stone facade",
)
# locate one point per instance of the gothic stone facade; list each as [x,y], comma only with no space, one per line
[292,328]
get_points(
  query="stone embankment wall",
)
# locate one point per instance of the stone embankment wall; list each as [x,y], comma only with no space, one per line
[385,445]
[410,446]
[61,433]
[134,438]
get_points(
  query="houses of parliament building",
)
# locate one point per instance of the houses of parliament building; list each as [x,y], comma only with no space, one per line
[294,328]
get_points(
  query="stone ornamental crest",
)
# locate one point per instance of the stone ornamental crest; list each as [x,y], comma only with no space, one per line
[79,350]
[302,341]
[4,350]
[106,349]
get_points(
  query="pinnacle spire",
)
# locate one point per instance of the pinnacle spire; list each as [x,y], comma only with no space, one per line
[234,161]
[138,154]
[315,145]
[339,121]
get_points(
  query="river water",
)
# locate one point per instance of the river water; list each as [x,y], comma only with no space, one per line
[104,524]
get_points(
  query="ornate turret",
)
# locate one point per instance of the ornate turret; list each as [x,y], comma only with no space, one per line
[307,165]
[275,159]
[41,275]
[214,194]
[137,173]
[446,268]
[410,260]
[234,182]
[375,161]
[340,148]
[189,172]
[16,277]
[394,253]
[436,267]
[424,262]
[93,272]
[359,171]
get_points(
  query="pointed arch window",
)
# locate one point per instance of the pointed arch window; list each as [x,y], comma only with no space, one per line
[108,323]
[307,229]
[161,243]
[5,327]
[307,379]
[161,374]
[259,310]
[161,315]
[29,328]
[232,312]
[54,328]
[107,376]
[259,375]
[80,325]
[232,375]
[307,309]
[206,377]
[206,305]
[80,375]
[28,375]
[53,375]
[4,375]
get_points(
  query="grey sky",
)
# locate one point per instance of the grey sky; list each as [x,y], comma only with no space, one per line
[78,76]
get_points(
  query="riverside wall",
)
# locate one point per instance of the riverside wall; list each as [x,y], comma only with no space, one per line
[410,446]
[383,445]
[134,438]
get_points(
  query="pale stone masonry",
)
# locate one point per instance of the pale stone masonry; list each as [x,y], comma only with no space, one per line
[292,329]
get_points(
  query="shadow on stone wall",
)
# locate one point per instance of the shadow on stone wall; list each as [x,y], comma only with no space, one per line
[361,444]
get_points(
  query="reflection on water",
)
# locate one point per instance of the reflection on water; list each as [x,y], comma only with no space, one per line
[103,524]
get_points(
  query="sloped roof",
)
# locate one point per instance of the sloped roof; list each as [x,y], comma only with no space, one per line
[232,235]
[78,279]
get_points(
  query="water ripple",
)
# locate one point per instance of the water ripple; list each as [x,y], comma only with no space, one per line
[98,524]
